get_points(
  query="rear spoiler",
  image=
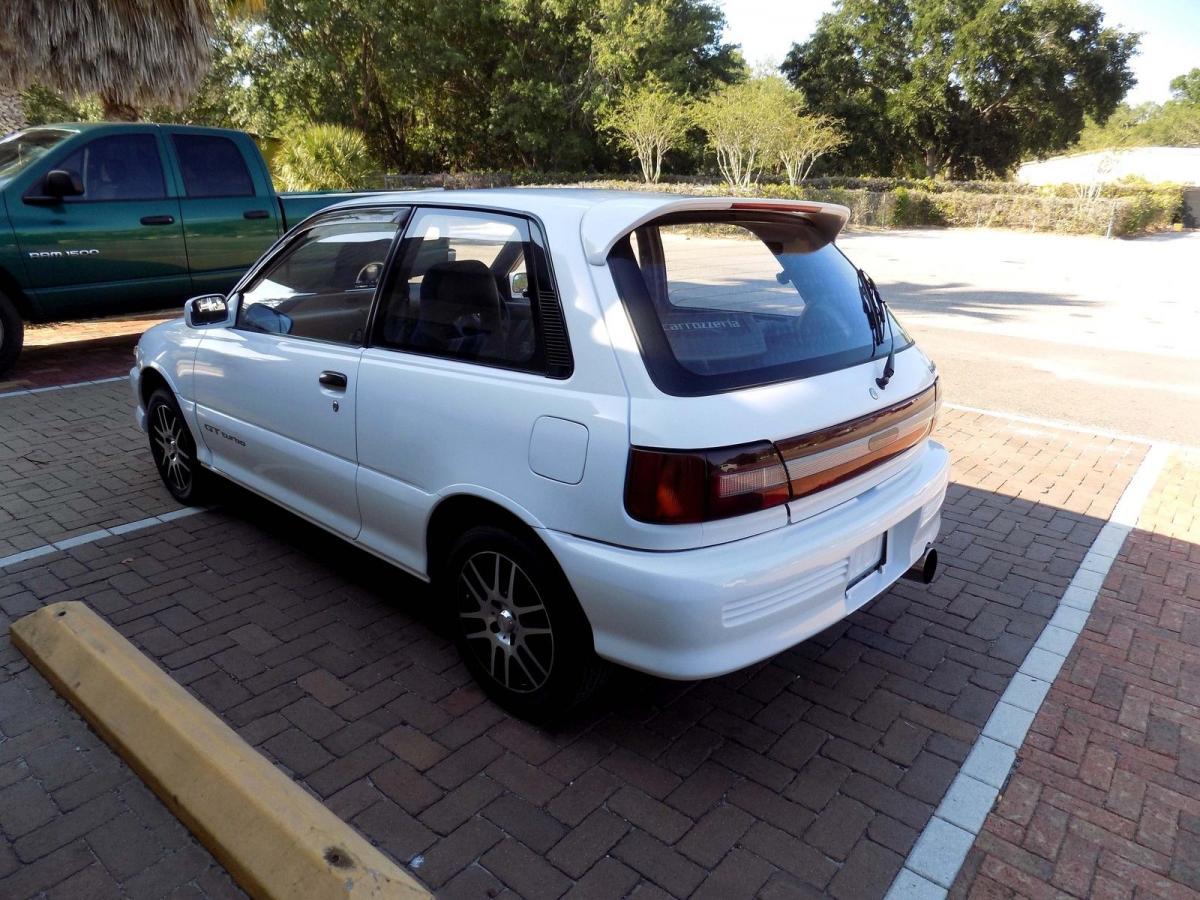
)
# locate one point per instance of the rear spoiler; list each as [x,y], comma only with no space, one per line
[606,223]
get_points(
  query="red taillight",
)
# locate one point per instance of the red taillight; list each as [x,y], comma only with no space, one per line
[672,487]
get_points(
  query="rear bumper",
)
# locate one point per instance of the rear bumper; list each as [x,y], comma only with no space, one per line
[700,613]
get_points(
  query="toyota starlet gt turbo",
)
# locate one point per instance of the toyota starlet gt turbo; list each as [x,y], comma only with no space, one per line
[678,434]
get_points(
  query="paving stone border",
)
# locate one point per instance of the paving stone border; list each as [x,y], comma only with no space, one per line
[939,853]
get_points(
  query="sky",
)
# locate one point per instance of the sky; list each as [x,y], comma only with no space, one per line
[1170,44]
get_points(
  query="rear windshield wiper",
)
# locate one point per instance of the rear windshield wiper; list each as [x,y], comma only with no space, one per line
[877,315]
[872,305]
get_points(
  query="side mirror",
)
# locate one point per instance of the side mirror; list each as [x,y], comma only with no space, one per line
[518,284]
[60,183]
[210,309]
[56,184]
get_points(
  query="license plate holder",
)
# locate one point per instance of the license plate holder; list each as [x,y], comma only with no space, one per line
[866,558]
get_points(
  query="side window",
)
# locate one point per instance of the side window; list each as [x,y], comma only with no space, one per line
[462,289]
[212,166]
[120,167]
[321,286]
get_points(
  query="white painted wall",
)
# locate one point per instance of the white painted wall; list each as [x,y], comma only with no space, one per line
[1175,164]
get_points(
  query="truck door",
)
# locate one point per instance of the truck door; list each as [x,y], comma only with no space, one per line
[116,246]
[230,214]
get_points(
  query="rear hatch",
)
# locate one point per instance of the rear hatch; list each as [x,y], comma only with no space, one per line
[765,355]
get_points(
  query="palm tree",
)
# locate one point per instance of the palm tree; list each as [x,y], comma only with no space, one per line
[12,114]
[131,53]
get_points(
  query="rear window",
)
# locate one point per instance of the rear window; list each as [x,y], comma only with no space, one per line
[722,301]
[212,166]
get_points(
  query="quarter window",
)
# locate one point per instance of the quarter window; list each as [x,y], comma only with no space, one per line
[121,167]
[212,166]
[322,285]
[463,290]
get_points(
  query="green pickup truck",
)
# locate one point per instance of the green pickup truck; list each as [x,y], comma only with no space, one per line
[105,218]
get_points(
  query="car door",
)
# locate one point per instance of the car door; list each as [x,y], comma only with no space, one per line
[230,215]
[116,246]
[461,365]
[276,392]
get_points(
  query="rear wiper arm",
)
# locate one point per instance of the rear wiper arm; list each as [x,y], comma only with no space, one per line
[877,313]
[872,306]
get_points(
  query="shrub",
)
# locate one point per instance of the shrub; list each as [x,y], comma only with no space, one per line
[1123,209]
[323,157]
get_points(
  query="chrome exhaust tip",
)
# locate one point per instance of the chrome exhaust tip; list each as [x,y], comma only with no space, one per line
[924,569]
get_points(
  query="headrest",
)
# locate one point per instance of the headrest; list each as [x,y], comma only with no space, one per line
[453,289]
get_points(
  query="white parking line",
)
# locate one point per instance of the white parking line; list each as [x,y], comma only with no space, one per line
[60,387]
[99,534]
[941,849]
[1063,425]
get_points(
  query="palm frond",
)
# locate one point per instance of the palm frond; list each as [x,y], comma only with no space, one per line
[132,52]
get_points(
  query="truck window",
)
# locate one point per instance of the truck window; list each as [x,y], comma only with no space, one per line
[212,166]
[120,167]
[20,148]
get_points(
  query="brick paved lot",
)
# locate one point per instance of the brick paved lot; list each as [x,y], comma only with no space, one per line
[84,350]
[1105,798]
[813,772]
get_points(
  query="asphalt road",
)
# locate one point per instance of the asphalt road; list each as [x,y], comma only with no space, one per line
[1102,333]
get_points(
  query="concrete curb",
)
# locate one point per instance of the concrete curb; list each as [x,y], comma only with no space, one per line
[276,840]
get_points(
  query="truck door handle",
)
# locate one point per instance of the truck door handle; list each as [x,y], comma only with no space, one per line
[256,214]
[158,220]
[335,380]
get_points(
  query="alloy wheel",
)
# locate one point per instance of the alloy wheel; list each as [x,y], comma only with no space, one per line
[505,622]
[173,460]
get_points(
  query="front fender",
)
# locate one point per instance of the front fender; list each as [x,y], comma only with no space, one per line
[169,349]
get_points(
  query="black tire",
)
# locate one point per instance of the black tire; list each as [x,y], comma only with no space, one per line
[12,333]
[518,625]
[174,450]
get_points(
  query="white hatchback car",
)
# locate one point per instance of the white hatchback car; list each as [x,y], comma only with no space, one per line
[680,434]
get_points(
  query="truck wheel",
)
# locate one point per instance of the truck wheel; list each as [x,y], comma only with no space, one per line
[518,626]
[12,334]
[174,450]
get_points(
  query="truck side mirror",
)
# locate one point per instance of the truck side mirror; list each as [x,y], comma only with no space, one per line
[209,309]
[60,183]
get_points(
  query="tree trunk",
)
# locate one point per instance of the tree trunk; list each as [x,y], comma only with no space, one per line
[12,111]
[119,110]
[932,163]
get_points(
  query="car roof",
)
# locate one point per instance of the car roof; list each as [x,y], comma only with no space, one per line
[602,216]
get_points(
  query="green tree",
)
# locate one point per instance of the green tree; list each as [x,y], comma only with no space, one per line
[804,139]
[650,121]
[1186,88]
[961,87]
[1175,123]
[745,124]
[477,83]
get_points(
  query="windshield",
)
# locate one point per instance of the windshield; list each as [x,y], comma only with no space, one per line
[20,148]
[721,301]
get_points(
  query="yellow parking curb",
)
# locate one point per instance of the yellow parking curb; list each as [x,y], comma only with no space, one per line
[275,839]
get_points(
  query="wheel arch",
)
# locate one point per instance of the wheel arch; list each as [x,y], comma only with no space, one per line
[13,290]
[151,379]
[457,512]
